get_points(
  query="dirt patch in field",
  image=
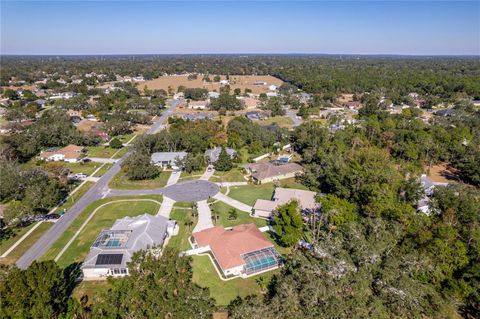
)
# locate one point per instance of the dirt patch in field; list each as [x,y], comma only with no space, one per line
[236,81]
[442,173]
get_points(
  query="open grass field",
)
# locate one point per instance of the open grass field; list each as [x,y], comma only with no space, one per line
[72,199]
[120,181]
[76,224]
[223,292]
[249,194]
[26,244]
[104,218]
[86,168]
[100,151]
[13,236]
[223,210]
[180,241]
[103,170]
[282,121]
[236,81]
[234,175]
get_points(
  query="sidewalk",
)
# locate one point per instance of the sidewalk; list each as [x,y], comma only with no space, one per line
[206,175]
[233,202]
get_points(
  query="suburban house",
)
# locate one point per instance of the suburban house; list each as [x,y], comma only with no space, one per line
[212,154]
[94,127]
[114,247]
[428,186]
[198,105]
[168,159]
[195,116]
[70,153]
[256,115]
[265,208]
[268,172]
[239,251]
[213,95]
[353,105]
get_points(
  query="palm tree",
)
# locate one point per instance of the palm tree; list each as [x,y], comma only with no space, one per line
[194,211]
[215,217]
[232,214]
[262,283]
[188,223]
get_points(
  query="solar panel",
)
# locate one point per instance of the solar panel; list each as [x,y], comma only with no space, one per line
[109,259]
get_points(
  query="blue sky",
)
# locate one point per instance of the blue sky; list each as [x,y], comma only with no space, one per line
[345,27]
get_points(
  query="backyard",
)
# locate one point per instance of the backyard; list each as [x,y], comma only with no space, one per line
[180,241]
[205,275]
[282,121]
[120,181]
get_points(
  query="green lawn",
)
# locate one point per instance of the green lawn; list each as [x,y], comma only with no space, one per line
[180,241]
[26,244]
[125,138]
[282,121]
[120,181]
[189,176]
[242,217]
[86,168]
[76,224]
[72,199]
[183,204]
[223,292]
[120,153]
[248,194]
[234,175]
[103,219]
[91,288]
[103,170]
[100,151]
[13,236]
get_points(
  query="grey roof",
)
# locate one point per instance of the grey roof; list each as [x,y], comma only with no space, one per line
[213,153]
[128,235]
[167,156]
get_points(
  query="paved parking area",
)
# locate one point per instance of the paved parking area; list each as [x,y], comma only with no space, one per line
[191,191]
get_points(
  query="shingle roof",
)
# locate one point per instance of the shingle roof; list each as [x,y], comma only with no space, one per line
[146,231]
[167,156]
[262,171]
[70,152]
[228,246]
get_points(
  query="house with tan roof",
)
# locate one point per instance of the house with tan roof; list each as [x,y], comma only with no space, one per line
[70,153]
[242,250]
[306,200]
[198,105]
[268,172]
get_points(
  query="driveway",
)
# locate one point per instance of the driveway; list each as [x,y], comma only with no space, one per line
[293,115]
[204,217]
[174,177]
[96,192]
[207,174]
[166,207]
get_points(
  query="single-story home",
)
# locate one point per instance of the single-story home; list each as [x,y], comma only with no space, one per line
[213,95]
[198,105]
[195,116]
[168,159]
[70,153]
[423,205]
[306,200]
[268,172]
[114,247]
[242,250]
[256,115]
[212,154]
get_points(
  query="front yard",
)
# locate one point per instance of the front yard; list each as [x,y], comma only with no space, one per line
[234,175]
[120,181]
[223,210]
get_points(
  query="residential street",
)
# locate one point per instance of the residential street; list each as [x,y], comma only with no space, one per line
[96,192]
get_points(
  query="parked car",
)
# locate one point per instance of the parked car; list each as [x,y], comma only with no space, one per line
[81,175]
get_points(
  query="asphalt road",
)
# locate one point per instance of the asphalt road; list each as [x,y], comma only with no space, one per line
[96,192]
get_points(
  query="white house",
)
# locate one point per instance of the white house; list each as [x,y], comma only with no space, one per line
[168,159]
[114,247]
[272,87]
[70,153]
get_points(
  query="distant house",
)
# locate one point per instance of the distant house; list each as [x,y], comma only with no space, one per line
[272,94]
[178,96]
[281,196]
[268,172]
[70,153]
[447,112]
[259,83]
[242,250]
[195,116]
[256,115]
[272,87]
[212,154]
[428,186]
[114,247]
[198,105]
[353,104]
[168,159]
[213,95]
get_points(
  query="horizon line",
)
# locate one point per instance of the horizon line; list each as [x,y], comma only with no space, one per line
[248,54]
